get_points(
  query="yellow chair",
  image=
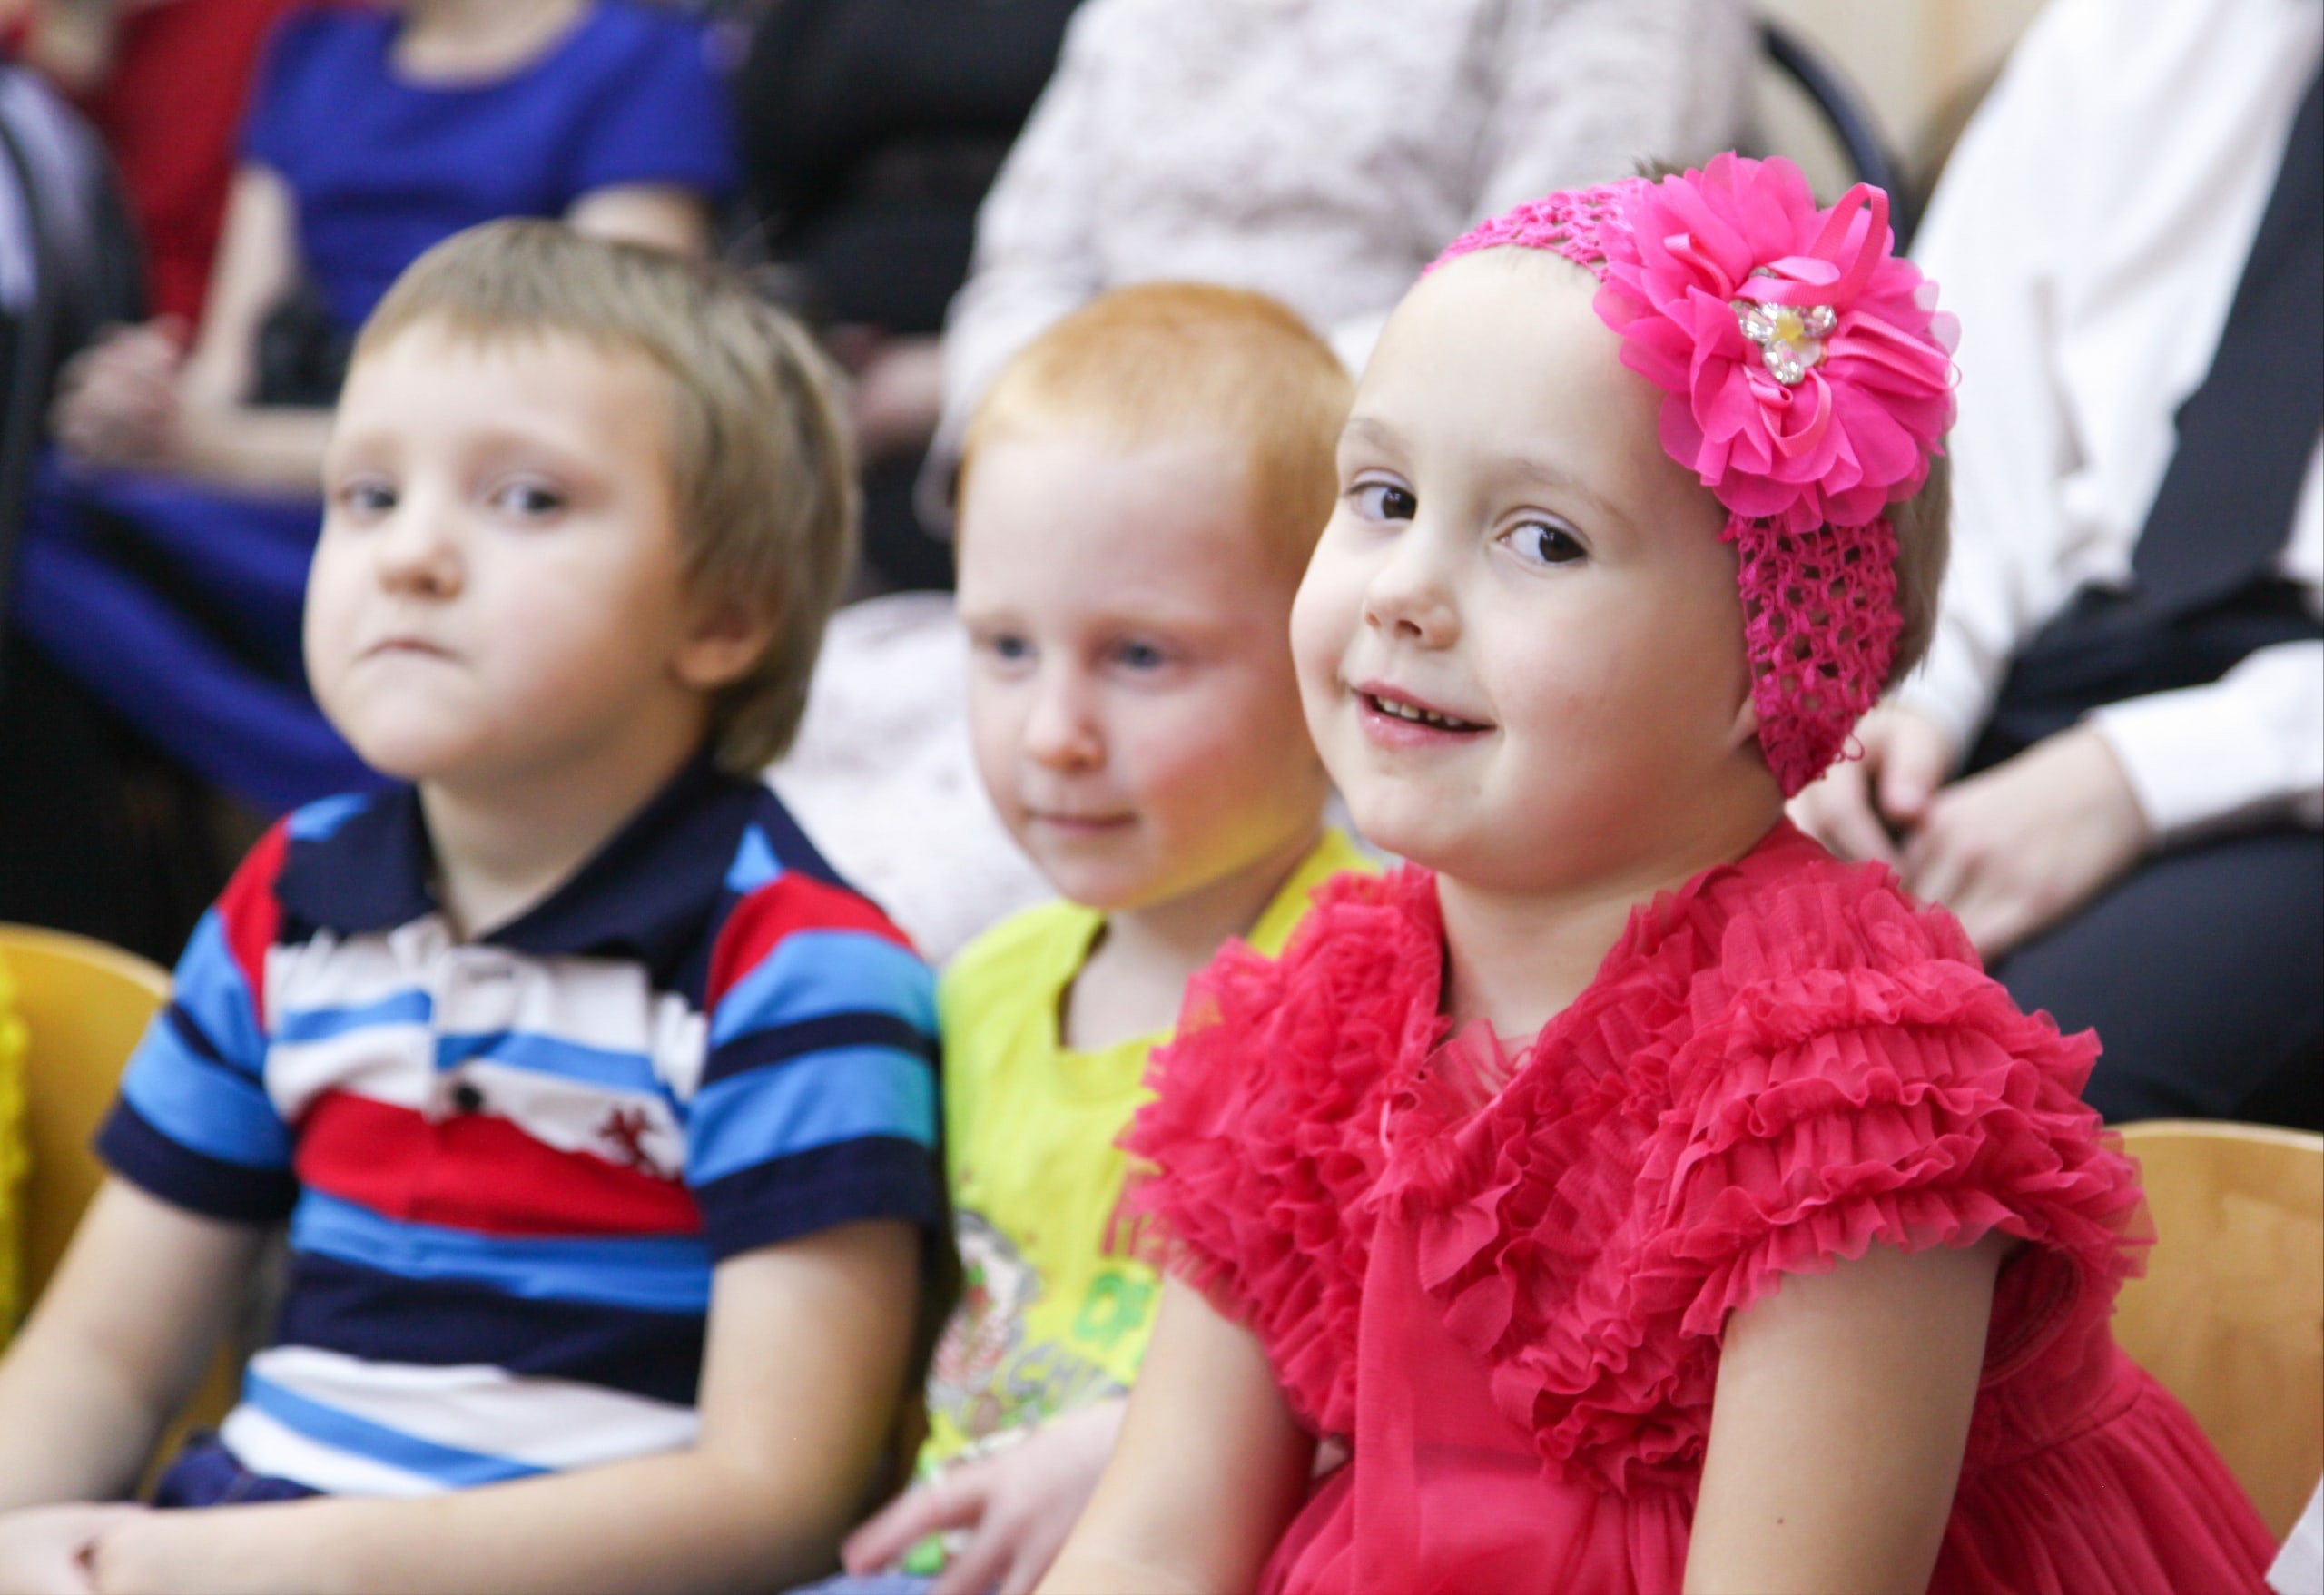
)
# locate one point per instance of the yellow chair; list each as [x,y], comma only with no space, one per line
[83,1005]
[2231,1315]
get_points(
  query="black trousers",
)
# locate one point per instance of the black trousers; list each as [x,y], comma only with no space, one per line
[2202,969]
[2203,972]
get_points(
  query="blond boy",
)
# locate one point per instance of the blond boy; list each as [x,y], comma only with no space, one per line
[1140,492]
[602,1115]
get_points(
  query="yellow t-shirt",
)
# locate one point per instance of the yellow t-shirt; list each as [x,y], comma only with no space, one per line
[1058,1298]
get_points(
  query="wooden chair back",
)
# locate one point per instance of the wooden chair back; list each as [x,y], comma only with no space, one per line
[2231,1314]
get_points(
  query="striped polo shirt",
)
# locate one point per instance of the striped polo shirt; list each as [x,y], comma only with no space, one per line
[510,1165]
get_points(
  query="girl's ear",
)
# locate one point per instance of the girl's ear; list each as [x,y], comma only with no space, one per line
[1745,725]
[728,636]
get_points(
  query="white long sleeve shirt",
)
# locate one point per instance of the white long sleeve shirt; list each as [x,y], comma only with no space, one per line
[2089,232]
[1323,151]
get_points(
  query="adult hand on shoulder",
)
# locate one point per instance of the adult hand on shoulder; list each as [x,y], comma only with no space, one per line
[51,1550]
[1016,1506]
[117,401]
[1856,804]
[2015,850]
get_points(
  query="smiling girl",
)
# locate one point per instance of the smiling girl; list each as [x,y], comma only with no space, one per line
[1643,1200]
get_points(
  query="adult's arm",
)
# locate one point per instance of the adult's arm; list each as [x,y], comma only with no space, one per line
[1838,1423]
[1993,227]
[802,1370]
[116,1345]
[221,435]
[1208,1473]
[2250,745]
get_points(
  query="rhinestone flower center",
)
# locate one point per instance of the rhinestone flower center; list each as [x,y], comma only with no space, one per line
[1790,336]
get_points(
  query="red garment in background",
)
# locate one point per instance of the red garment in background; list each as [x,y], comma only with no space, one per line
[171,110]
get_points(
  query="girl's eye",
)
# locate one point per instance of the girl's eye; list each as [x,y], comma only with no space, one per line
[530,500]
[1007,648]
[1384,501]
[1141,655]
[1546,543]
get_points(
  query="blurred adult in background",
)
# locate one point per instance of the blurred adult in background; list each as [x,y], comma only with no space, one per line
[165,83]
[2111,767]
[152,632]
[68,263]
[870,132]
[1321,150]
[165,559]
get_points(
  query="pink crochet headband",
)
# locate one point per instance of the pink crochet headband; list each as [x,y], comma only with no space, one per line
[1808,378]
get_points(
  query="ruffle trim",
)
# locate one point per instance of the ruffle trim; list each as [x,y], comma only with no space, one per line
[1848,1076]
[1264,1125]
[1779,1065]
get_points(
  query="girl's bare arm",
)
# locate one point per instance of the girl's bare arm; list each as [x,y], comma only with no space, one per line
[1209,1471]
[1838,1426]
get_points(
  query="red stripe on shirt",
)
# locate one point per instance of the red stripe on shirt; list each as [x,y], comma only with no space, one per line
[481,1172]
[250,913]
[783,906]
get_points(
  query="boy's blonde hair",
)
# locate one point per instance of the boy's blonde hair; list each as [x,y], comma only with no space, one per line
[761,471]
[1164,361]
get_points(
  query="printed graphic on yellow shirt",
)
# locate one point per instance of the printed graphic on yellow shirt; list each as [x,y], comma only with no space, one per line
[985,1378]
[1062,1276]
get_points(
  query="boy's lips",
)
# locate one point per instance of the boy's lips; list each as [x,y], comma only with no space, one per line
[1396,718]
[1066,823]
[389,647]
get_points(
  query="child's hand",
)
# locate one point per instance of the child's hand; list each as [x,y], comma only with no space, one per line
[51,1550]
[1016,1507]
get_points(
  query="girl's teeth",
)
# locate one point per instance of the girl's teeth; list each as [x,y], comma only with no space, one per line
[1413,711]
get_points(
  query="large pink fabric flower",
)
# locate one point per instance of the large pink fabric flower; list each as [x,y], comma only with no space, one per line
[1852,434]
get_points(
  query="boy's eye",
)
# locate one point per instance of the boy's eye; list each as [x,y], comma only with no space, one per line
[1141,655]
[1006,646]
[530,500]
[1545,543]
[367,497]
[1384,501]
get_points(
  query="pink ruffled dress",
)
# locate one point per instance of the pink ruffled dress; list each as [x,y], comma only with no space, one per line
[1503,1289]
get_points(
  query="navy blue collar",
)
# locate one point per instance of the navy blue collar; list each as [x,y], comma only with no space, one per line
[649,895]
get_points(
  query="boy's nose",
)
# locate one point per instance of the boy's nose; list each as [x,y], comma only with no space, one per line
[1061,731]
[417,550]
[1410,593]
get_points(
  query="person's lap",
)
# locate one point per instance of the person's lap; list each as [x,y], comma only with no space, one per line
[2203,972]
[178,608]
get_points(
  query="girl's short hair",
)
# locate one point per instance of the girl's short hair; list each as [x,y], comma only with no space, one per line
[760,468]
[1168,360]
[1923,528]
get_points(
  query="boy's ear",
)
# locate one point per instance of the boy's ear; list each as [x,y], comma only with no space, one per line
[1746,726]
[728,636]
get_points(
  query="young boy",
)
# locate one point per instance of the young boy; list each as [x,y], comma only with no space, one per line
[1140,492]
[602,1114]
